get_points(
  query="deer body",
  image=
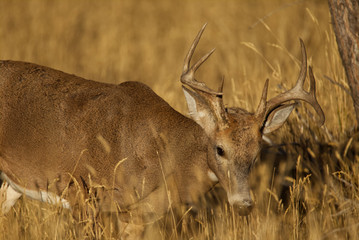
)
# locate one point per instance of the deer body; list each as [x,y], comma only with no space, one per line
[50,126]
[58,131]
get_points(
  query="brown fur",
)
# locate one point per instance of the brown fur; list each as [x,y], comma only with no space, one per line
[50,125]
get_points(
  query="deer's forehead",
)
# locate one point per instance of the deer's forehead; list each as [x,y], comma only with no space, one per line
[242,121]
[244,134]
[241,117]
[242,128]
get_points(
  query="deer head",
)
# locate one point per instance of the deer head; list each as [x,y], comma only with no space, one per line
[235,134]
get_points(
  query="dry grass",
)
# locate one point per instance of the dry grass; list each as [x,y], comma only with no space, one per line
[305,186]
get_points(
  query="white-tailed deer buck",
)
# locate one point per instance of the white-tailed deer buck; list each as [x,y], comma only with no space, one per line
[59,131]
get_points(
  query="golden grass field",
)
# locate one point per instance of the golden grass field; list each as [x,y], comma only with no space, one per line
[305,186]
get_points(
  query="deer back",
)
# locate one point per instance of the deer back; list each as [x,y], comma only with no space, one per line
[56,129]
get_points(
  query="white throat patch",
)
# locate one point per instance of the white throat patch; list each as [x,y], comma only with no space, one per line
[212,176]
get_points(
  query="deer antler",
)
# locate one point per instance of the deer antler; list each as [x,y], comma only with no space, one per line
[296,93]
[212,98]
[187,76]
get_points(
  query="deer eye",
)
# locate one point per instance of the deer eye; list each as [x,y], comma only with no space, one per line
[220,151]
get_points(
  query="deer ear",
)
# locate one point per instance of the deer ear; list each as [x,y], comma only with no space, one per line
[199,110]
[277,117]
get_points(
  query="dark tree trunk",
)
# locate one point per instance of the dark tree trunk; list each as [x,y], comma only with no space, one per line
[345,20]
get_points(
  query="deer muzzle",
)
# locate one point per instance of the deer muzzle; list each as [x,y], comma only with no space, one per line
[242,205]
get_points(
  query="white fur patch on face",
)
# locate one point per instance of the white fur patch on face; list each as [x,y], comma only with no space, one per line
[212,176]
[239,198]
[40,195]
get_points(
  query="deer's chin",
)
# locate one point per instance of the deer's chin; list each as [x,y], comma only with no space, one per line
[242,210]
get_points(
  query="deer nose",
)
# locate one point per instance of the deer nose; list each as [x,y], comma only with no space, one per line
[243,207]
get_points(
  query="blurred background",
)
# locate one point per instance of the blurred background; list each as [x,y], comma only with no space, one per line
[125,40]
[117,41]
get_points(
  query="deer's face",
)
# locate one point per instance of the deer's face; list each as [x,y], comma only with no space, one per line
[235,149]
[235,139]
[236,134]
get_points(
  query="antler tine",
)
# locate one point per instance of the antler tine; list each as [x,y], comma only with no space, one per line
[188,58]
[202,60]
[263,102]
[187,76]
[220,88]
[296,93]
[303,68]
[312,90]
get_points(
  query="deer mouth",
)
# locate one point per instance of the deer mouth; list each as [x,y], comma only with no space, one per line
[243,209]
